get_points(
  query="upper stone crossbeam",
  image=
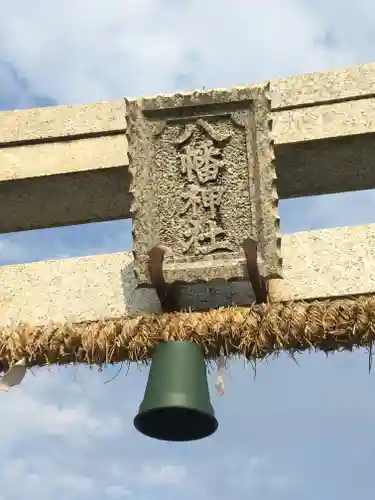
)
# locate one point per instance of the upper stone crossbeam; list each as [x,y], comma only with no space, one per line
[69,164]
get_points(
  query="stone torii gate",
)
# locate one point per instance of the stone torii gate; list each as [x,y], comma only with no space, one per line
[69,165]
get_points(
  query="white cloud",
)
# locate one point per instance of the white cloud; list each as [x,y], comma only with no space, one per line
[152,475]
[68,435]
[117,491]
[78,52]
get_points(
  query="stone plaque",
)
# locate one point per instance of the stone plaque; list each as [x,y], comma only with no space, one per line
[203,181]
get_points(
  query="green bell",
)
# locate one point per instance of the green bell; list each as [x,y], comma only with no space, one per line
[176,405]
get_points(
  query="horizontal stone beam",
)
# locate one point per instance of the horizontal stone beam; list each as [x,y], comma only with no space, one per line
[63,165]
[61,122]
[326,121]
[63,157]
[321,264]
[68,164]
[355,82]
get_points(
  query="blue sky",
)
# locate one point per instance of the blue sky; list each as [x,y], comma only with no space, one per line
[295,432]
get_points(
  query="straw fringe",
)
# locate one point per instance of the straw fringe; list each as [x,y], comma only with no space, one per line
[255,332]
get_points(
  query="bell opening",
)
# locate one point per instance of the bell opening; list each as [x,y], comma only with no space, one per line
[176,424]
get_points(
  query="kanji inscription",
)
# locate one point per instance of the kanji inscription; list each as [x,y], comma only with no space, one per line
[201,165]
[203,181]
[204,161]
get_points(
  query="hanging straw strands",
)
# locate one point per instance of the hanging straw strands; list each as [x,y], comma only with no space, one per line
[254,332]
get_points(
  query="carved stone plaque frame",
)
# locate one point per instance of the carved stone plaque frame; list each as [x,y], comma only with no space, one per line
[204,181]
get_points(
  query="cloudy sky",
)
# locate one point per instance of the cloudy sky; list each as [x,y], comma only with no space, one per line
[296,432]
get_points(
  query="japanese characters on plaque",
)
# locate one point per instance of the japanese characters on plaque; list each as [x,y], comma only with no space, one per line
[203,181]
[201,163]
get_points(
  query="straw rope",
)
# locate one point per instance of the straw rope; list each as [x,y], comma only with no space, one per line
[254,332]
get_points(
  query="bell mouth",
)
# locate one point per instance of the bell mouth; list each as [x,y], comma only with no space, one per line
[176,424]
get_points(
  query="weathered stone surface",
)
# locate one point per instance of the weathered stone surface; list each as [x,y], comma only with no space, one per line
[63,165]
[335,262]
[77,198]
[203,182]
[328,86]
[316,264]
[61,122]
[326,167]
[326,121]
[47,158]
[72,290]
